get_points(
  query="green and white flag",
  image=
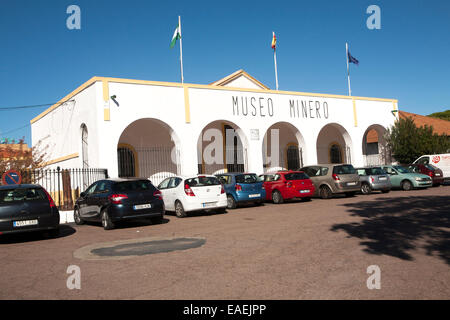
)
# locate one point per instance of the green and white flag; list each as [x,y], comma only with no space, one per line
[176,36]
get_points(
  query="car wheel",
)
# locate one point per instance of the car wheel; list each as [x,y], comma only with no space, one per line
[366,189]
[77,217]
[231,203]
[407,185]
[277,197]
[179,210]
[325,192]
[106,221]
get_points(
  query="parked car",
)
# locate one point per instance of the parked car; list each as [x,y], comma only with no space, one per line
[242,188]
[441,161]
[27,207]
[283,185]
[193,193]
[112,200]
[430,170]
[405,179]
[330,179]
[374,178]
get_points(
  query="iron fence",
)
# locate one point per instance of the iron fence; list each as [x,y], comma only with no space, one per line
[64,185]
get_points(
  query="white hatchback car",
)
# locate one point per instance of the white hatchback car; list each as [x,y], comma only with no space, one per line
[193,193]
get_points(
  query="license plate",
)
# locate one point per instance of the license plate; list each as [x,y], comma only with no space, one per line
[351,183]
[437,174]
[25,223]
[304,191]
[209,204]
[254,195]
[142,206]
[382,178]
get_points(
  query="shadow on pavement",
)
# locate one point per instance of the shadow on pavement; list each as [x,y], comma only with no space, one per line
[64,231]
[134,223]
[398,226]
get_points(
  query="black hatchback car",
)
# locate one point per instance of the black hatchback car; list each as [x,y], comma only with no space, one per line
[112,200]
[27,207]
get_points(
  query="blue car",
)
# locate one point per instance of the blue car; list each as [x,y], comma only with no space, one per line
[242,187]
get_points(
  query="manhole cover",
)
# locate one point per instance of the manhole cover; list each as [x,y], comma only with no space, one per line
[137,247]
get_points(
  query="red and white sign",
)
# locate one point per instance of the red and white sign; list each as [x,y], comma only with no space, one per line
[11,177]
[436,159]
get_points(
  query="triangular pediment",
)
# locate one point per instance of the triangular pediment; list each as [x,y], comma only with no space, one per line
[240,79]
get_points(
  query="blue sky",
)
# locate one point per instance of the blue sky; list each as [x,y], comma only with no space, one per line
[41,60]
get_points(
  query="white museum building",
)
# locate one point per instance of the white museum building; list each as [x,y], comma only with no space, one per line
[155,129]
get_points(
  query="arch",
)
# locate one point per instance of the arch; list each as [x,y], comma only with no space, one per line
[151,148]
[332,137]
[374,146]
[222,147]
[288,152]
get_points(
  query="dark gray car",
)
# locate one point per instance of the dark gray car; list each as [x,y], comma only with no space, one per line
[330,179]
[374,178]
[27,207]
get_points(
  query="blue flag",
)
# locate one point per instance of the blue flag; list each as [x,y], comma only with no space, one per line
[352,59]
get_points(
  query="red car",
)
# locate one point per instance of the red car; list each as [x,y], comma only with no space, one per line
[283,185]
[428,169]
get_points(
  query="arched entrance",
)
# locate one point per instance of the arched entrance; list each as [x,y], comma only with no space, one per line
[222,147]
[334,145]
[374,146]
[147,148]
[282,148]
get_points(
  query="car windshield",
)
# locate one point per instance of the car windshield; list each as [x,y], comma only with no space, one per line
[202,181]
[17,195]
[296,176]
[247,178]
[375,171]
[430,167]
[401,169]
[344,169]
[135,185]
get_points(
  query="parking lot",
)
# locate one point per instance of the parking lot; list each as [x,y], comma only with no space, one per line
[319,249]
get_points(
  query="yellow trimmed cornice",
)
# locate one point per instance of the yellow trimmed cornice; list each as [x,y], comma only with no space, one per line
[68,157]
[199,86]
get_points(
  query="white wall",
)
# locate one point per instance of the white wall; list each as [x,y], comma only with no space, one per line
[261,111]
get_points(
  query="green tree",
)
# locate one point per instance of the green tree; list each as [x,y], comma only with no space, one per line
[407,142]
[444,115]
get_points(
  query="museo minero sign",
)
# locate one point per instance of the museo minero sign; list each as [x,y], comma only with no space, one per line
[265,107]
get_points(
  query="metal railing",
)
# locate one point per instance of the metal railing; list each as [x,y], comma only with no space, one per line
[64,185]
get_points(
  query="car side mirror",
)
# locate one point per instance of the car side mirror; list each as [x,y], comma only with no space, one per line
[83,194]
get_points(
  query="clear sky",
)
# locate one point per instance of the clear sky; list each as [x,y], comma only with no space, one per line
[41,60]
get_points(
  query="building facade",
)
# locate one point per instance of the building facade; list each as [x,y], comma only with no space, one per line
[155,129]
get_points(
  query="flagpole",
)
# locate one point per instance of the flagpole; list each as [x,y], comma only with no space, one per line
[276,71]
[275,61]
[348,70]
[181,49]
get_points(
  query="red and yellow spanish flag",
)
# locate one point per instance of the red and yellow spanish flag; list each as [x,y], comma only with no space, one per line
[274,41]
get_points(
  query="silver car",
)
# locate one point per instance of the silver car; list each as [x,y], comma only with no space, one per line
[374,178]
[330,179]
